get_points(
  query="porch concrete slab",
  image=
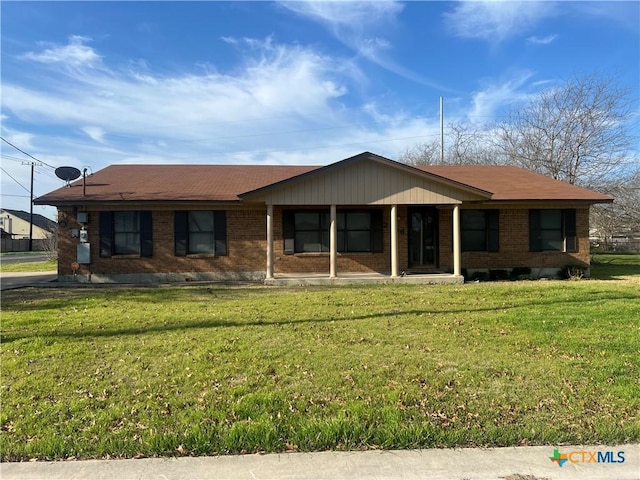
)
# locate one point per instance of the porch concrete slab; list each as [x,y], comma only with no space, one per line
[510,463]
[283,280]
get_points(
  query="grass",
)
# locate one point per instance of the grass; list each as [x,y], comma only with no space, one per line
[609,266]
[95,373]
[44,266]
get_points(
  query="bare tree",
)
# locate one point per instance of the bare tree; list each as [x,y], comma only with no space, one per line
[623,215]
[422,154]
[464,145]
[576,133]
[470,145]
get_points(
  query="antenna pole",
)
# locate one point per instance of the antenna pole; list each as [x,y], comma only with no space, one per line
[441,130]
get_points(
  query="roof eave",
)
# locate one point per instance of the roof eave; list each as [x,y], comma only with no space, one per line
[85,201]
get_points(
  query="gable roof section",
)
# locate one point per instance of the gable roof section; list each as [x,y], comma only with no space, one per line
[366,179]
[166,183]
[508,183]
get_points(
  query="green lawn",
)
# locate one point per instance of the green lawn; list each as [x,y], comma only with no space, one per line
[44,266]
[97,372]
[609,266]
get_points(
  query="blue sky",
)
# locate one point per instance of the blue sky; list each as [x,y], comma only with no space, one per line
[89,84]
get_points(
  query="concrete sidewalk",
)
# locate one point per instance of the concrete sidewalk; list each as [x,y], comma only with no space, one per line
[621,462]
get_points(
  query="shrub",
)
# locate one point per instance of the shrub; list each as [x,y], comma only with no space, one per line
[572,272]
[498,274]
[520,273]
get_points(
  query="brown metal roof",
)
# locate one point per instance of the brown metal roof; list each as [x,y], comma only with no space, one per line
[225,183]
[508,183]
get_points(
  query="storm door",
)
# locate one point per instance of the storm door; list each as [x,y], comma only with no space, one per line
[423,237]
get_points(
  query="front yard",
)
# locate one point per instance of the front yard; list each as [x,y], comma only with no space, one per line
[96,373]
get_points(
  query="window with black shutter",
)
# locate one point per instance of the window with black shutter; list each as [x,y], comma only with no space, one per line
[479,230]
[552,230]
[200,232]
[127,232]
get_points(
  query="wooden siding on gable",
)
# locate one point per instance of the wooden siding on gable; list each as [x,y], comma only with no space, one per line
[367,183]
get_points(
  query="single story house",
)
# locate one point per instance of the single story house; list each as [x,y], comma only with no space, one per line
[363,215]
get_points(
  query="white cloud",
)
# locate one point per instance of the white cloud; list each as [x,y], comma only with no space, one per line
[96,133]
[358,25]
[74,54]
[351,14]
[499,95]
[496,20]
[535,40]
[275,81]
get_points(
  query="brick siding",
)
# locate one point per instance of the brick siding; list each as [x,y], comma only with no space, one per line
[246,241]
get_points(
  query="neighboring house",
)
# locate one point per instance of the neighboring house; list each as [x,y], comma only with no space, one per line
[16,224]
[365,214]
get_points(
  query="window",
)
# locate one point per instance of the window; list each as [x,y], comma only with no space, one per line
[311,231]
[200,232]
[479,230]
[307,231]
[357,232]
[552,230]
[126,233]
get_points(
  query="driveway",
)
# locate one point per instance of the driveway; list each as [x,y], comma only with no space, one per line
[10,280]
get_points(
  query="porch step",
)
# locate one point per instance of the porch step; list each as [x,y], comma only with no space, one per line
[423,271]
[359,278]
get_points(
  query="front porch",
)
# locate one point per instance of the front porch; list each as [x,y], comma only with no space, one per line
[302,279]
[408,235]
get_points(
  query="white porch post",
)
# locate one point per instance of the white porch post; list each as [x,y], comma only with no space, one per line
[333,243]
[269,241]
[394,241]
[456,241]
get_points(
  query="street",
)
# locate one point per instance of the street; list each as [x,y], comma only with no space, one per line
[23,257]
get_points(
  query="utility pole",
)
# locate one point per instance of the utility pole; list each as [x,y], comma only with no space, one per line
[33,165]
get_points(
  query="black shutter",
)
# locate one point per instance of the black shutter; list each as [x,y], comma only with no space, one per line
[493,230]
[535,241]
[146,233]
[180,232]
[377,241]
[289,231]
[106,234]
[220,231]
[570,236]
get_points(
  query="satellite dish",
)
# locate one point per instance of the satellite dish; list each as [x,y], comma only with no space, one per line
[68,174]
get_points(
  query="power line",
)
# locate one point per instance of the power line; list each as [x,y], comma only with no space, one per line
[27,154]
[11,176]
[9,157]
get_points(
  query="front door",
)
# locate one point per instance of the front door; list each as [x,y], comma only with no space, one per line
[423,237]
